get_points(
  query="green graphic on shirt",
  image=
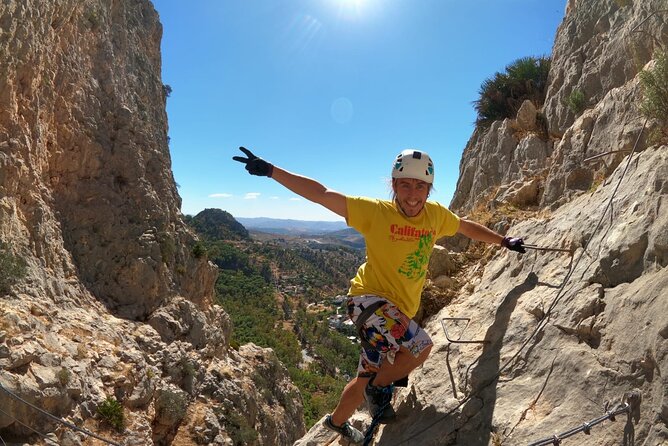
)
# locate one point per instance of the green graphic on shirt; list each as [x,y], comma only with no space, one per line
[415,265]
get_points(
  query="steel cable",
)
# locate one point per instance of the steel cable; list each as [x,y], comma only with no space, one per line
[55,418]
[24,425]
[584,427]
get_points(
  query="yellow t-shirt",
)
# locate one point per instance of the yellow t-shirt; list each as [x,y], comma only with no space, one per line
[397,248]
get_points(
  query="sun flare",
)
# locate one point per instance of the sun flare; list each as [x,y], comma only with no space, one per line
[351,8]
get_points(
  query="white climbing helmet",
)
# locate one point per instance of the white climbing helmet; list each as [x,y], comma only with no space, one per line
[416,164]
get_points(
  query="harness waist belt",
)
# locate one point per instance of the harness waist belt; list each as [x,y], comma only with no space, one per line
[362,318]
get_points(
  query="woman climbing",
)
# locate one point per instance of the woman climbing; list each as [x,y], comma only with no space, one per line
[385,293]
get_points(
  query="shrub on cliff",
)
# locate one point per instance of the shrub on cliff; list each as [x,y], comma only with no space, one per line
[111,412]
[12,268]
[576,101]
[502,94]
[654,83]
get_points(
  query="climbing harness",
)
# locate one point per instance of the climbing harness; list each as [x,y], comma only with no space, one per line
[362,318]
[630,404]
[55,418]
[403,382]
[359,325]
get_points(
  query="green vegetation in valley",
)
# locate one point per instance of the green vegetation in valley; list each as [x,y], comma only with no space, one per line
[266,287]
[501,95]
[313,271]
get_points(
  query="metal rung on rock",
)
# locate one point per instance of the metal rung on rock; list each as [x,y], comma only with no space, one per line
[459,340]
[456,341]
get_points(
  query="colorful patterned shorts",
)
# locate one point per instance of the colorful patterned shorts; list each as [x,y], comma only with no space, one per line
[386,330]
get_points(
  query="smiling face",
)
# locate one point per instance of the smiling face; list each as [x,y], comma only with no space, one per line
[410,195]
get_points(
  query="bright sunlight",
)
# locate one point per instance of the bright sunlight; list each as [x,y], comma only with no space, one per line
[351,9]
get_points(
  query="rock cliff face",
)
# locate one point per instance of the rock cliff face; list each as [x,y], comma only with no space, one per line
[567,334]
[114,303]
[599,49]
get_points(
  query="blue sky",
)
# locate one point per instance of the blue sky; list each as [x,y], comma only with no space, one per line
[331,89]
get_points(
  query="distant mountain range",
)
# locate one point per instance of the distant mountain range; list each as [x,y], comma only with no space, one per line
[348,237]
[325,232]
[291,227]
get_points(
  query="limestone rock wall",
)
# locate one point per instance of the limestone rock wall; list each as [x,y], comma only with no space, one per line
[504,156]
[114,304]
[599,49]
[601,45]
[84,130]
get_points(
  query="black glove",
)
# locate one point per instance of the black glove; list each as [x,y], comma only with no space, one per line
[254,165]
[514,244]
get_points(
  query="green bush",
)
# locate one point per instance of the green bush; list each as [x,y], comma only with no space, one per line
[199,250]
[167,247]
[63,376]
[187,368]
[239,429]
[320,393]
[12,268]
[576,101]
[112,412]
[171,405]
[654,84]
[501,95]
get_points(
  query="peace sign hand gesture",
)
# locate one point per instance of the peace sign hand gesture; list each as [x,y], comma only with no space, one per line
[254,165]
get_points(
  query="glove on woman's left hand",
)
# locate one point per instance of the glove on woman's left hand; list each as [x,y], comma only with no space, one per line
[514,244]
[254,165]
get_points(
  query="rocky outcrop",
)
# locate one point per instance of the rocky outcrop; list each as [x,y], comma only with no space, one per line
[600,48]
[601,45]
[506,156]
[115,303]
[613,125]
[84,131]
